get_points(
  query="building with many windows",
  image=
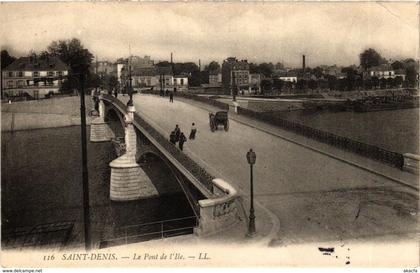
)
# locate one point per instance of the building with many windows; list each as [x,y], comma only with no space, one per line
[180,82]
[235,75]
[33,77]
[105,68]
[215,77]
[154,77]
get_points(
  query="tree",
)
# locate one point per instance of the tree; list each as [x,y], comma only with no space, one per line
[398,81]
[312,84]
[279,66]
[375,82]
[253,68]
[332,82]
[72,53]
[301,84]
[266,86]
[383,83]
[370,58]
[163,64]
[278,84]
[411,74]
[112,82]
[397,65]
[266,69]
[6,59]
[358,83]
[212,67]
[318,72]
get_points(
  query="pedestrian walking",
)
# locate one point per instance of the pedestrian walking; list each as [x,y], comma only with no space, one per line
[96,100]
[193,131]
[177,133]
[171,97]
[115,92]
[182,140]
[172,137]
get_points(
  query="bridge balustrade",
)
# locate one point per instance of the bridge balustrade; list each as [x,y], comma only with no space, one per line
[218,213]
[197,171]
[373,152]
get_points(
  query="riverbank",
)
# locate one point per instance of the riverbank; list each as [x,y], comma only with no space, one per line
[41,114]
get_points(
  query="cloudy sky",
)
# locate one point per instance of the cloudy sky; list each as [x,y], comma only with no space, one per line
[327,33]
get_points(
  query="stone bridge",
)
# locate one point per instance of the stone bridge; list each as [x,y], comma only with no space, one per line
[214,201]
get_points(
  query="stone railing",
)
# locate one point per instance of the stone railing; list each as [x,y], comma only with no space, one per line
[345,143]
[218,213]
[196,170]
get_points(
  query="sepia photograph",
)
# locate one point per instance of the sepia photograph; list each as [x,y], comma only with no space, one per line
[210,134]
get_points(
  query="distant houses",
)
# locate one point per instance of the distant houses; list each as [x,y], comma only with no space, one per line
[235,75]
[383,71]
[37,77]
[154,77]
[34,77]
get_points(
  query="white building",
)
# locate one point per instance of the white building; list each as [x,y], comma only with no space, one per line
[34,77]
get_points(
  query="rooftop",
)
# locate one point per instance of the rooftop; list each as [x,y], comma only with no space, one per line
[382,67]
[37,64]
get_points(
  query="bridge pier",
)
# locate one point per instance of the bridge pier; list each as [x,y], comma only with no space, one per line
[128,180]
[99,129]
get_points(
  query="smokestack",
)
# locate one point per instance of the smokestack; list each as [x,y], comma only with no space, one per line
[303,62]
[199,65]
[171,58]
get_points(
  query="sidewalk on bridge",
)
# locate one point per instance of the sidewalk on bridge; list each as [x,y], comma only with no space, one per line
[390,172]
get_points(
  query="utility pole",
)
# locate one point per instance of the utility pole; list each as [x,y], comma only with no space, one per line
[96,73]
[85,177]
[130,87]
[1,81]
[130,102]
[233,85]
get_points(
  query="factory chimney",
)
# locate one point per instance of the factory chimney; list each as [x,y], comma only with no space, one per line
[303,63]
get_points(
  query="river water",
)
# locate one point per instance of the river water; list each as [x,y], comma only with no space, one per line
[41,183]
[396,130]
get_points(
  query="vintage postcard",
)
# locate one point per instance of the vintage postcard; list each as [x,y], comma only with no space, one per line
[210,134]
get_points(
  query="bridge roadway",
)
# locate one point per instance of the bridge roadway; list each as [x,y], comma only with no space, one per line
[312,196]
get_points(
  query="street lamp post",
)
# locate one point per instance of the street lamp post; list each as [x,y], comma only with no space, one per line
[130,87]
[251,158]
[86,214]
[233,86]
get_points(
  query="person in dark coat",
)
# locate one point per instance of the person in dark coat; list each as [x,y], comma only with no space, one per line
[116,92]
[172,137]
[171,97]
[177,133]
[182,140]
[193,131]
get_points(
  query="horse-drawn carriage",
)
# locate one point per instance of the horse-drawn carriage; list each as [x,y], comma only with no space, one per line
[220,118]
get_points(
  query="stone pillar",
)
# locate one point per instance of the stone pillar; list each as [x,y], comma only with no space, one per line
[411,163]
[99,129]
[128,180]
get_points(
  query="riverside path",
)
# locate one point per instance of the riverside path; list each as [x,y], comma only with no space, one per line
[312,196]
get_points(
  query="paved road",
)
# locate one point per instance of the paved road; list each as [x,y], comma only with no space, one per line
[315,197]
